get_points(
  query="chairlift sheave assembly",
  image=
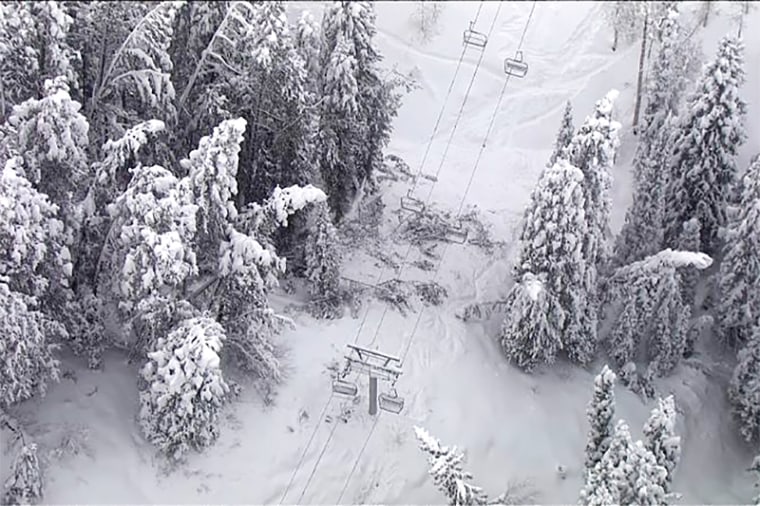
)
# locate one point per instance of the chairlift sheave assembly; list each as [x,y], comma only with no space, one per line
[474,38]
[516,67]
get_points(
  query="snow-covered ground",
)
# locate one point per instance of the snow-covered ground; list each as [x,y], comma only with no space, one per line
[456,383]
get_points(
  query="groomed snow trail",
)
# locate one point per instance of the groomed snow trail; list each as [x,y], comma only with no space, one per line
[456,383]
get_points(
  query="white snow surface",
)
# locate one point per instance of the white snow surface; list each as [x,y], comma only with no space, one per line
[455,381]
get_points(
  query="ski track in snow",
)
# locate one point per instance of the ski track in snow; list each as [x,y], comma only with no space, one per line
[455,381]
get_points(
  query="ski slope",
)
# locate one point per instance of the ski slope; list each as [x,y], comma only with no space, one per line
[456,383]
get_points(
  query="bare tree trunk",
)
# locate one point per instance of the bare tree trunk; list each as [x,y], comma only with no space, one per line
[616,32]
[639,85]
[708,5]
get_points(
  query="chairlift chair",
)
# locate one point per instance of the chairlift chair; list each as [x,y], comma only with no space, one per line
[516,67]
[345,388]
[457,234]
[412,204]
[430,177]
[390,402]
[472,37]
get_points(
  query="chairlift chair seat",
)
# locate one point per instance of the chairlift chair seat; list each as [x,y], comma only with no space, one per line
[391,403]
[457,234]
[409,203]
[342,387]
[472,37]
[516,67]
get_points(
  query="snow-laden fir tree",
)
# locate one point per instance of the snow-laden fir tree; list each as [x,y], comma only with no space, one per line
[551,242]
[593,150]
[642,233]
[35,259]
[650,315]
[52,137]
[27,363]
[744,390]
[34,47]
[660,437]
[447,471]
[308,43]
[247,270]
[600,413]
[739,306]
[627,474]
[280,149]
[626,18]
[703,165]
[652,479]
[323,264]
[564,136]
[358,104]
[134,83]
[689,241]
[212,170]
[154,224]
[531,333]
[179,408]
[24,484]
[111,176]
[609,481]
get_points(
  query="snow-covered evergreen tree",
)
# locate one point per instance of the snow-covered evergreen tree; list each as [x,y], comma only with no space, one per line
[35,260]
[626,18]
[154,225]
[532,330]
[689,241]
[739,306]
[703,166]
[24,484]
[660,437]
[132,80]
[212,171]
[447,471]
[33,48]
[600,413]
[179,408]
[652,479]
[358,107]
[610,480]
[52,137]
[564,136]
[744,390]
[593,150]
[651,314]
[248,268]
[323,264]
[627,474]
[642,232]
[551,243]
[308,43]
[27,363]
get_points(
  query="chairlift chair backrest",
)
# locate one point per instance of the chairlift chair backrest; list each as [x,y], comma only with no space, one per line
[457,234]
[516,67]
[409,203]
[471,37]
[391,403]
[346,388]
